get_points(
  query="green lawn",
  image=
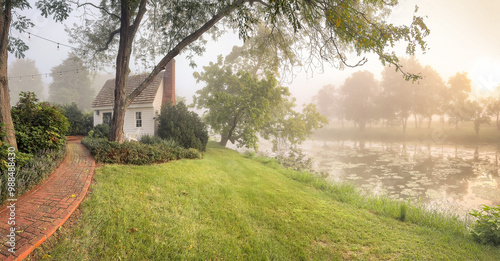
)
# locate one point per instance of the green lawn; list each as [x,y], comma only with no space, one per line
[230,207]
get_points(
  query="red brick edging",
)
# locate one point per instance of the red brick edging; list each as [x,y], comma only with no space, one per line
[40,212]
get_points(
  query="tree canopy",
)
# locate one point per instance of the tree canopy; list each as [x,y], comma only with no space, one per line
[73,85]
[359,91]
[157,31]
[33,84]
[239,106]
[11,19]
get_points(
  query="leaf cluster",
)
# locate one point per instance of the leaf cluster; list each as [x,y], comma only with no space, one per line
[60,9]
[79,123]
[131,152]
[39,126]
[486,229]
[241,105]
[185,127]
[321,31]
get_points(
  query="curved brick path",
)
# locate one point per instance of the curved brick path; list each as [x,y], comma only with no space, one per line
[46,207]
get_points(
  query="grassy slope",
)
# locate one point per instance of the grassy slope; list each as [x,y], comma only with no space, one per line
[230,207]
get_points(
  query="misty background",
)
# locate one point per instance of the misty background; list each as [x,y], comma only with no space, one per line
[464,38]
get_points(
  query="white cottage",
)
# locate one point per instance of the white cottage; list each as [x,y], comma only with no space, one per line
[140,115]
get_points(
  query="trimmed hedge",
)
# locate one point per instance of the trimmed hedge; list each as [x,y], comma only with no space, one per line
[131,152]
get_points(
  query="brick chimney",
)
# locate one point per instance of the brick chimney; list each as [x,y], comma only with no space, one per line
[169,83]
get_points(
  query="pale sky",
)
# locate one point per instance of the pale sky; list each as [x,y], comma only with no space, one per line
[465,36]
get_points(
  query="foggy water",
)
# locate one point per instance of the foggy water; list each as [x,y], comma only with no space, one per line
[454,178]
[451,178]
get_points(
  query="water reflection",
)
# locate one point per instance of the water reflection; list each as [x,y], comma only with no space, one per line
[450,176]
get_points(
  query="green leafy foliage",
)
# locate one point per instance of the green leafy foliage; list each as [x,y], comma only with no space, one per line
[183,126]
[359,92]
[39,126]
[150,140]
[79,123]
[3,149]
[73,86]
[295,159]
[31,170]
[100,131]
[130,152]
[324,32]
[486,229]
[241,105]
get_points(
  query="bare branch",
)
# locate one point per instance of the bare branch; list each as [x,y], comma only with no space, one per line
[100,8]
[110,39]
[138,17]
[179,47]
[342,59]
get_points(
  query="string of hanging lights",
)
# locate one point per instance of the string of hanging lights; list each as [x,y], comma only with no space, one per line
[32,76]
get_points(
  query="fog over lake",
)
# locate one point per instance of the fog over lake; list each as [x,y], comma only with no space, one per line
[451,178]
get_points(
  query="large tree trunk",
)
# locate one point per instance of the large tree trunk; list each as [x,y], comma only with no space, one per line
[226,137]
[5,116]
[122,71]
[127,34]
[223,141]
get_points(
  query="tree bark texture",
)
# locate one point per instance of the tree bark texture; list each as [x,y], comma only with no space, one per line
[127,34]
[5,116]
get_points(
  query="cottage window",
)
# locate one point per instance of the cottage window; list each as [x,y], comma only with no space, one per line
[106,118]
[138,119]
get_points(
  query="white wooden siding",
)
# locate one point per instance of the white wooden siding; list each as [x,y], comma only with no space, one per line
[157,106]
[98,118]
[148,124]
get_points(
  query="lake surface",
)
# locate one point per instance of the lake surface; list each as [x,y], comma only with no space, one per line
[455,178]
[451,178]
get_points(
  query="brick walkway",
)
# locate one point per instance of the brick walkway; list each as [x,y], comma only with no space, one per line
[45,208]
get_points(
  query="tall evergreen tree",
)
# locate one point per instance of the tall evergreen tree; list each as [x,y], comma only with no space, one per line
[30,82]
[71,83]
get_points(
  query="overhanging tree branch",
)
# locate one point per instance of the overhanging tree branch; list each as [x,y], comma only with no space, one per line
[139,16]
[110,39]
[179,47]
[100,8]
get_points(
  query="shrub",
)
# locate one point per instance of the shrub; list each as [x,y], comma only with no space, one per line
[486,229]
[3,149]
[296,160]
[100,131]
[130,152]
[39,126]
[150,140]
[79,123]
[183,126]
[31,170]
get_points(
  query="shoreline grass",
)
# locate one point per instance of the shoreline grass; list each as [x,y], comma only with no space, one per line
[228,206]
[380,205]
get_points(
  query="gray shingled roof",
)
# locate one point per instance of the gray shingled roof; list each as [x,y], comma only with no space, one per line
[106,96]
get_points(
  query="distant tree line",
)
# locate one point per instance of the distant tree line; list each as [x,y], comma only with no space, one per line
[395,101]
